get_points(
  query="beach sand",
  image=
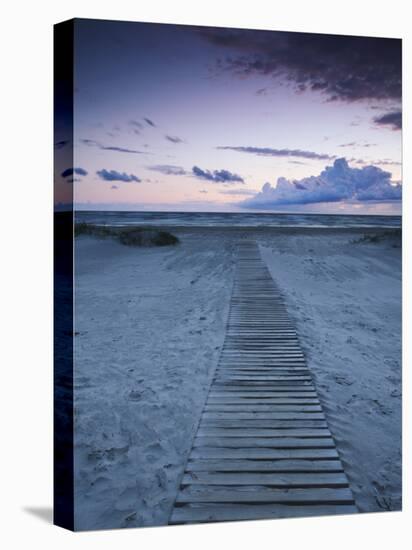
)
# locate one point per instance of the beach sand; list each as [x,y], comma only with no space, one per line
[150,323]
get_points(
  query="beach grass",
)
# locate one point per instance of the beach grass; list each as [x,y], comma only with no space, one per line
[130,236]
[375,238]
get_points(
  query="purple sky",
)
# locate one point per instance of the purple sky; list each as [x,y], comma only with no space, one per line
[187,118]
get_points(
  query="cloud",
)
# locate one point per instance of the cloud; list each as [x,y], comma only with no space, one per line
[72,171]
[393,119]
[114,187]
[149,122]
[344,68]
[137,125]
[238,192]
[121,150]
[387,162]
[174,139]
[269,152]
[357,144]
[113,175]
[336,183]
[93,143]
[217,176]
[168,169]
[89,142]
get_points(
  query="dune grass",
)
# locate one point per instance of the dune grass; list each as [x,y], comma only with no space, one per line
[375,238]
[129,236]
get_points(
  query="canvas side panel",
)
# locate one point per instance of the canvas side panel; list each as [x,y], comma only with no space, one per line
[63,275]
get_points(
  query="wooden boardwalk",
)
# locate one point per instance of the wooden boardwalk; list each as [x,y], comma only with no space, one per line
[263,448]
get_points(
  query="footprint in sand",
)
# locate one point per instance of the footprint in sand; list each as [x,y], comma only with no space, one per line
[343,380]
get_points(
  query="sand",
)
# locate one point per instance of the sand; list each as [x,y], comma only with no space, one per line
[150,324]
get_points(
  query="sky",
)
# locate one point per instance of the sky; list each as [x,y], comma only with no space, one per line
[180,118]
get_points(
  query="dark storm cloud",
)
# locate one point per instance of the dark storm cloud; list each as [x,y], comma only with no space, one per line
[113,175]
[93,143]
[393,119]
[335,183]
[217,176]
[168,169]
[345,68]
[174,139]
[269,152]
[71,171]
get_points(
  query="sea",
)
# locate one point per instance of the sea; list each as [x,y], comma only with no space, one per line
[234,219]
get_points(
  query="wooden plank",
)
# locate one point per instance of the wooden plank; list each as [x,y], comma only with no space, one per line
[254,367]
[263,415]
[277,370]
[313,479]
[261,359]
[265,388]
[260,351]
[263,384]
[206,513]
[263,432]
[261,363]
[279,350]
[249,465]
[263,423]
[262,377]
[259,407]
[264,354]
[255,401]
[263,394]
[266,442]
[235,380]
[262,453]
[262,494]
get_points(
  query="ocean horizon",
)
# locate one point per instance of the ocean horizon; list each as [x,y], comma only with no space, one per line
[235,219]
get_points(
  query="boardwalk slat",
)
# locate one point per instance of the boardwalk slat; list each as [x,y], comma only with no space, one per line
[267,442]
[263,423]
[249,465]
[206,513]
[305,387]
[263,432]
[259,407]
[267,479]
[263,415]
[265,494]
[262,453]
[299,395]
[255,401]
